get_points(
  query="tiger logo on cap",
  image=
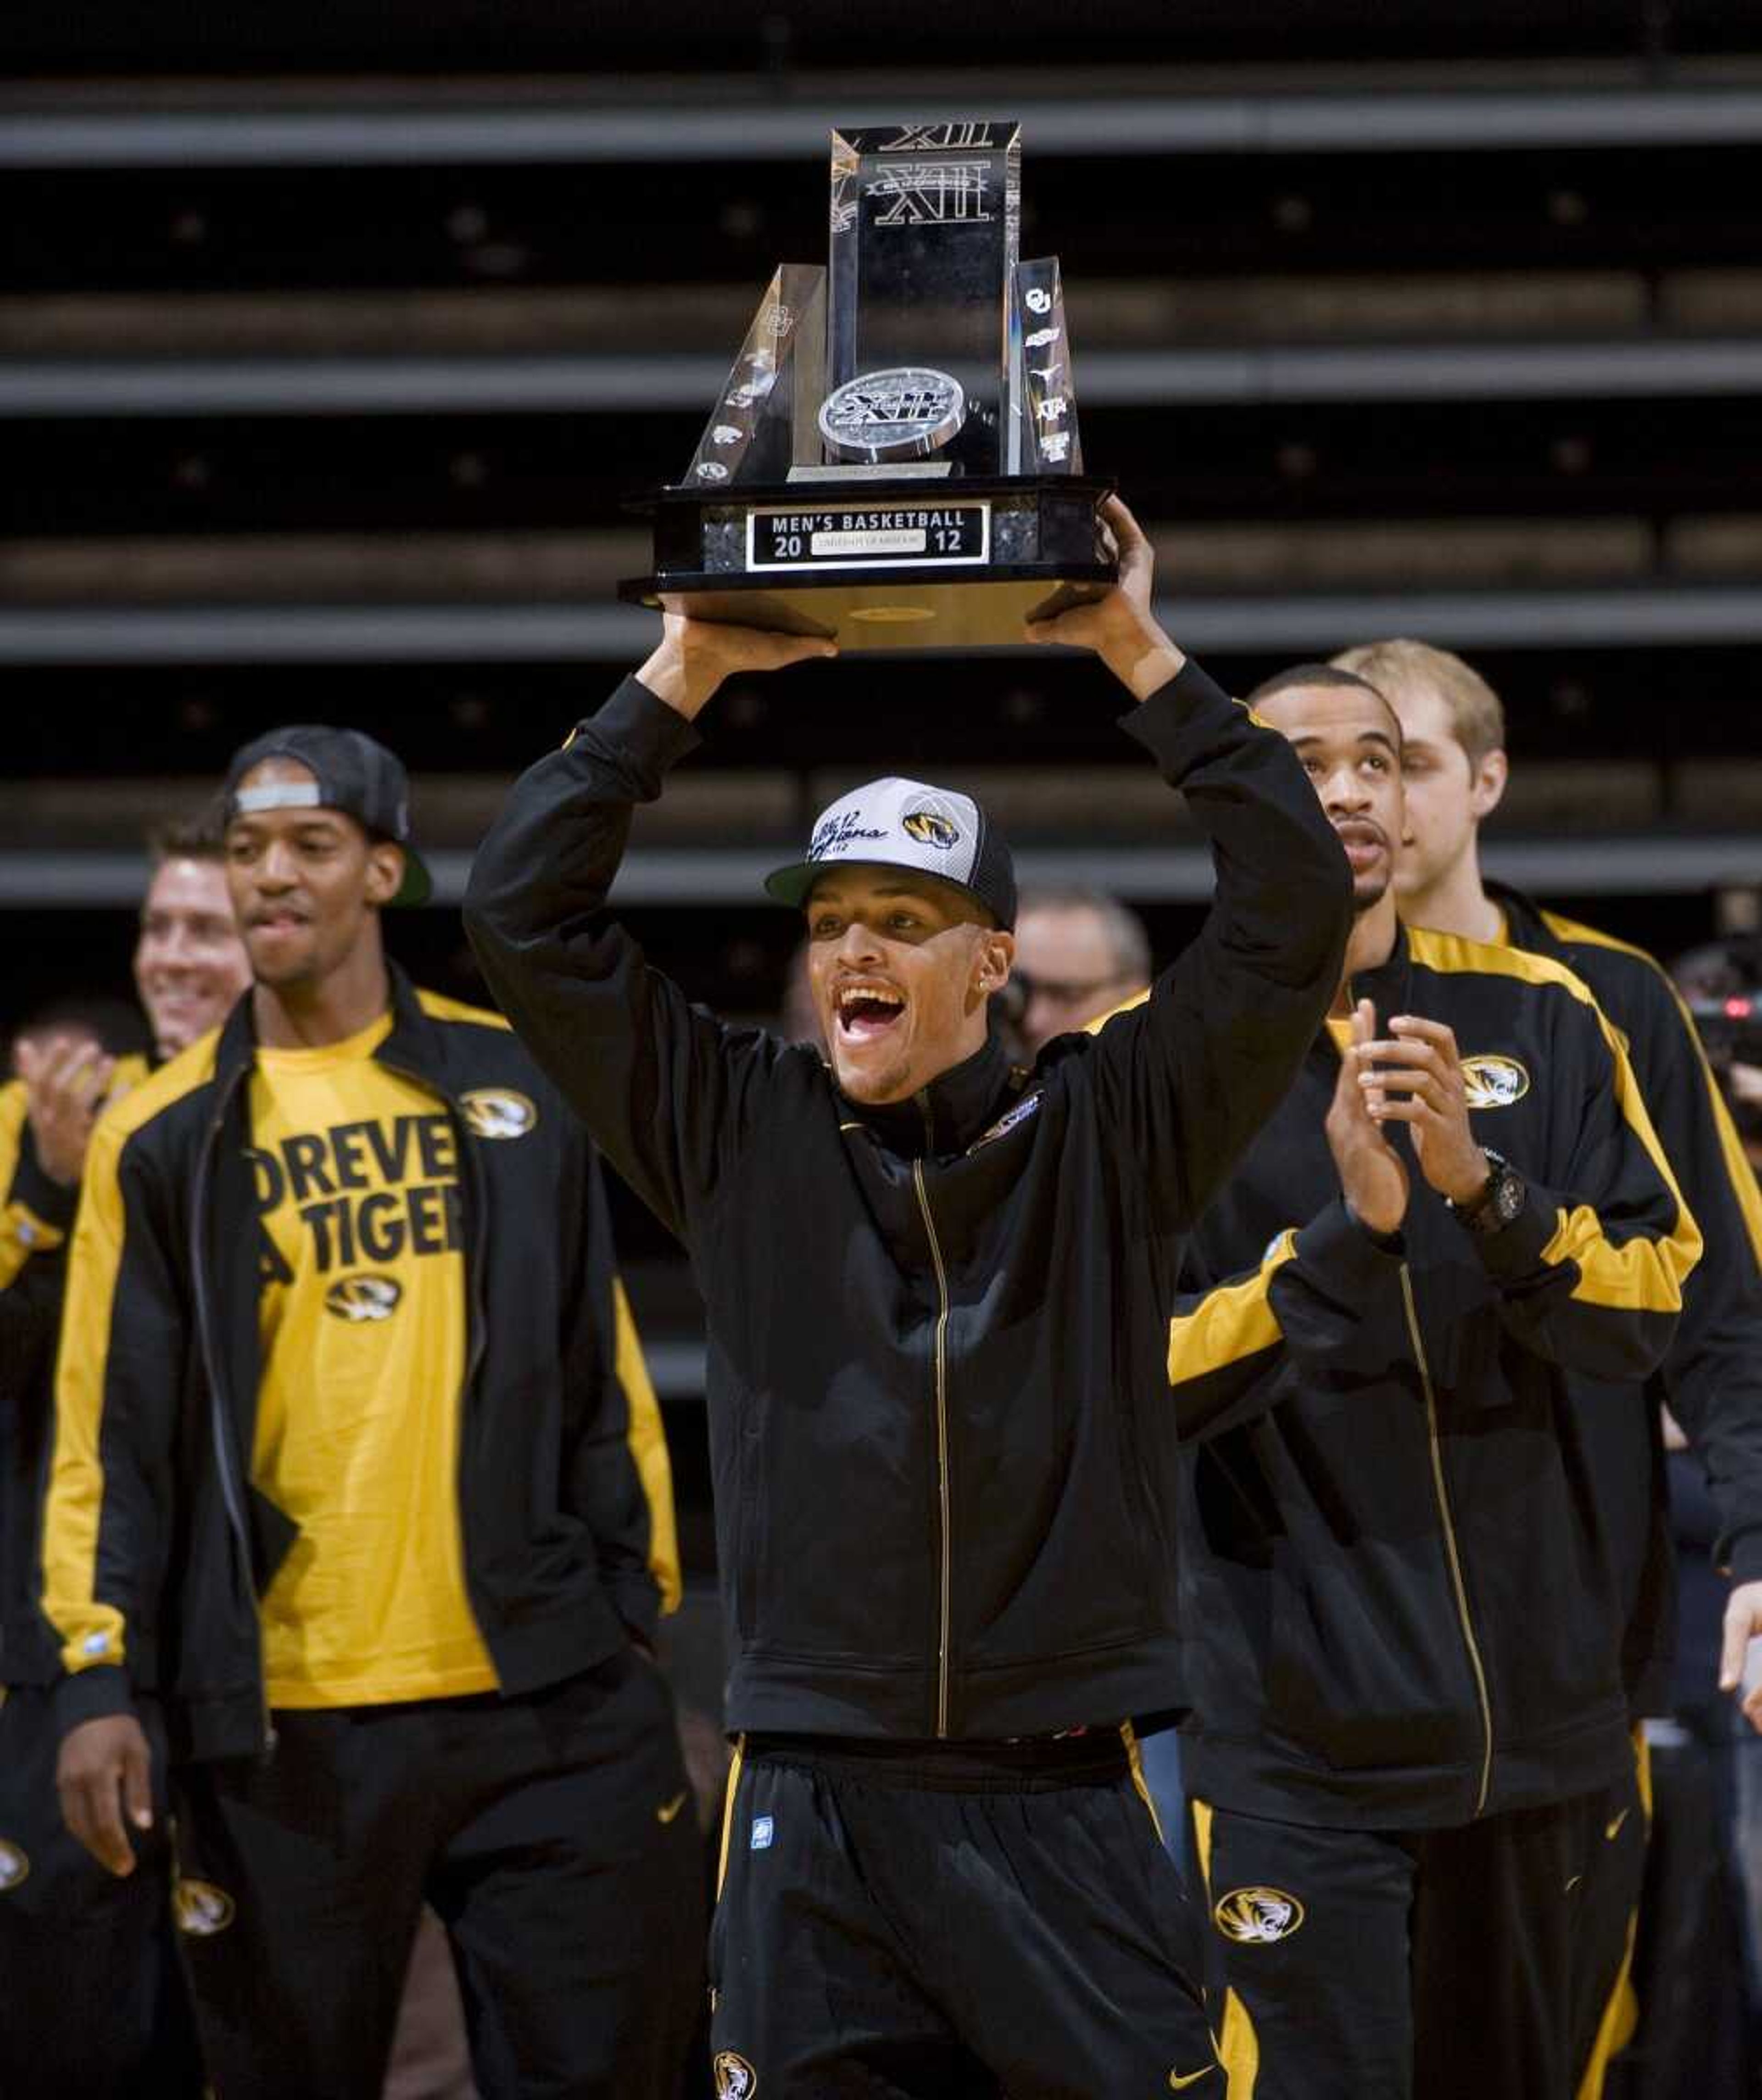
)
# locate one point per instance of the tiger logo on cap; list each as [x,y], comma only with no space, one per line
[930,827]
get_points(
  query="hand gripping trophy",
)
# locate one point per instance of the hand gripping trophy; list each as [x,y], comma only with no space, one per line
[895,461]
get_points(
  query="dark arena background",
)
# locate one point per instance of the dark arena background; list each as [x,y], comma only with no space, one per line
[335,341]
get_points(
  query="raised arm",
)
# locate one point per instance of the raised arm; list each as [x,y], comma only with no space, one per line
[662,1085]
[1192,1073]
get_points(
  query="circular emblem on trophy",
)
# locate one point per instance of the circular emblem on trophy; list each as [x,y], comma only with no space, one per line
[906,412]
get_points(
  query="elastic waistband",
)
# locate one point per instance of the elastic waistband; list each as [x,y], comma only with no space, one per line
[1089,1757]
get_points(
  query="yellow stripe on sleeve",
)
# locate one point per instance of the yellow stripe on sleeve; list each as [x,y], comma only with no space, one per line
[89,1631]
[1645,1273]
[1642,1273]
[1229,1323]
[22,1232]
[647,1440]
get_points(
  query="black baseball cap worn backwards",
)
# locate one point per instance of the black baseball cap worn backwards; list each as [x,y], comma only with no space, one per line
[351,772]
[910,824]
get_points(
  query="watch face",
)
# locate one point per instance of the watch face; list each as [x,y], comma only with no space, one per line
[1507,1204]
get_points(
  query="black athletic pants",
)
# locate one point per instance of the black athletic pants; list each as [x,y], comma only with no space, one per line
[553,1832]
[91,2000]
[1484,1962]
[913,1922]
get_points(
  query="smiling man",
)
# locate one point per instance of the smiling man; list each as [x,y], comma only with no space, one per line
[1415,1802]
[360,1480]
[190,964]
[937,1289]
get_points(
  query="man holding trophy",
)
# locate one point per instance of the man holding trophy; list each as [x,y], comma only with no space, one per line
[937,1289]
[937,1286]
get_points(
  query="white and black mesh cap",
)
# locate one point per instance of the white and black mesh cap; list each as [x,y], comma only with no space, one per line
[907,823]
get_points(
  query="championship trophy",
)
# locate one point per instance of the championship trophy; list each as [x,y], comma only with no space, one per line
[895,461]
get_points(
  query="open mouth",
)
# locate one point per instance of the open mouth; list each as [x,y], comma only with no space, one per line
[866,1010]
[1365,842]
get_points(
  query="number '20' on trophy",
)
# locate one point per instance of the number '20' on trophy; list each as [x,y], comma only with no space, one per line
[895,459]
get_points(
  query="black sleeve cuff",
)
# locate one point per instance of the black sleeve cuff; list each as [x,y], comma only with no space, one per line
[53,1201]
[1339,1250]
[1514,1253]
[636,1601]
[91,1694]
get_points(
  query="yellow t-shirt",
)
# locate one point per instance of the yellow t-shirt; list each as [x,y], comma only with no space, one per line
[362,1321]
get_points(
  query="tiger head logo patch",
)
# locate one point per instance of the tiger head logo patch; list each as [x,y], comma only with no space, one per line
[1494,1082]
[1257,1917]
[363,1297]
[735,2078]
[498,1112]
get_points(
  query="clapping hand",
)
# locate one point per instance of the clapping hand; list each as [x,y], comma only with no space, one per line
[1372,1178]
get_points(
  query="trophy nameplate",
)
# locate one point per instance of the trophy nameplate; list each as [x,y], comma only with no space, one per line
[895,460]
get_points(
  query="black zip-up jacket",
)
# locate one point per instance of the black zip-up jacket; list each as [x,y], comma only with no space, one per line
[158,1546]
[1404,1600]
[1712,1376]
[937,1330]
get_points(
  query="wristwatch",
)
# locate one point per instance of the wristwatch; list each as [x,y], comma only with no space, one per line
[1500,1203]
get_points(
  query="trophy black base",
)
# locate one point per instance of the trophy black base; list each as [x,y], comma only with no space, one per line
[875,559]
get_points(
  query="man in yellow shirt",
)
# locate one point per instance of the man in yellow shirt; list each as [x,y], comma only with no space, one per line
[358,1471]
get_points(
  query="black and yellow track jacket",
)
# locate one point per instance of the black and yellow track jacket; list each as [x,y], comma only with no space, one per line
[1405,1604]
[157,1546]
[937,1330]
[1711,1377]
[36,1217]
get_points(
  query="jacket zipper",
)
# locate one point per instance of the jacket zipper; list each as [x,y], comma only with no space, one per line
[945,1633]
[231,1489]
[1457,1583]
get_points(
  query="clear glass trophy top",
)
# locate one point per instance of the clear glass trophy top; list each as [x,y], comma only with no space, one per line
[925,226]
[926,348]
